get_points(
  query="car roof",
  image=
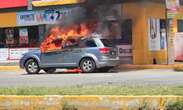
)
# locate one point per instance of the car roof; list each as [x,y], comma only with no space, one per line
[92,37]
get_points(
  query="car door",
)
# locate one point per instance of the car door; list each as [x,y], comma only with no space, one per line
[71,54]
[52,59]
[74,53]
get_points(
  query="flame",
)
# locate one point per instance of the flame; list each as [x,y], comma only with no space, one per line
[58,36]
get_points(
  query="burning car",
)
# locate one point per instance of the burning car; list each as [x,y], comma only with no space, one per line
[88,53]
[73,45]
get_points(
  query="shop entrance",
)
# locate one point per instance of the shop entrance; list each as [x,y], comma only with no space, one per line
[120,33]
[125,43]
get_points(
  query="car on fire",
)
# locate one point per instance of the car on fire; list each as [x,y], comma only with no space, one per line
[89,54]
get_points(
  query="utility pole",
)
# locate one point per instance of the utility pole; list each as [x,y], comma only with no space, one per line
[29,6]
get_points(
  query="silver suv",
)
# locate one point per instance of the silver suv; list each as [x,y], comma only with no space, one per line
[89,54]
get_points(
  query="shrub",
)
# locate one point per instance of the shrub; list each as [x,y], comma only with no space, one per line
[178,105]
[178,67]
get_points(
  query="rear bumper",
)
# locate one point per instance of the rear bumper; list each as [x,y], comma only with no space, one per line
[108,63]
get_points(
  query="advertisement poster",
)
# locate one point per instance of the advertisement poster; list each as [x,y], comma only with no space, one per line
[172,4]
[9,36]
[178,47]
[172,7]
[154,34]
[23,33]
[163,44]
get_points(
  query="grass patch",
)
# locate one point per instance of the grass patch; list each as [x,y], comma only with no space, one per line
[95,90]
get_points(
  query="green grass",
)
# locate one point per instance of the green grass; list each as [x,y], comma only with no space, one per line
[95,90]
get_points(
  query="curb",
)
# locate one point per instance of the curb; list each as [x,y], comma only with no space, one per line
[130,66]
[86,102]
[10,68]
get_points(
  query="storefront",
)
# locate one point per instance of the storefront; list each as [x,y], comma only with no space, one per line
[149,41]
[22,31]
[142,38]
[148,31]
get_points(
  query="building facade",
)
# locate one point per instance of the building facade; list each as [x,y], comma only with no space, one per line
[149,39]
[142,40]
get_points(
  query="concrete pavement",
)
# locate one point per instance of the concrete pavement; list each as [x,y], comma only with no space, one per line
[59,79]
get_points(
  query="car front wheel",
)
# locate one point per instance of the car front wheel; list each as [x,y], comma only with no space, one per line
[32,67]
[87,65]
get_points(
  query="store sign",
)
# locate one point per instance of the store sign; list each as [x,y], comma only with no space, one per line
[13,54]
[124,50]
[23,36]
[16,53]
[172,14]
[154,34]
[55,2]
[50,16]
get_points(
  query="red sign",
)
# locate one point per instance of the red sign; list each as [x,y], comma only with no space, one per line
[23,36]
[13,3]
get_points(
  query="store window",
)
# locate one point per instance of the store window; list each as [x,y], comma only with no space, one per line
[180,25]
[33,36]
[126,28]
[10,37]
[20,37]
[2,40]
[90,43]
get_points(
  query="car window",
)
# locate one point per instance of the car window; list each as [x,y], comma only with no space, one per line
[70,43]
[90,43]
[108,43]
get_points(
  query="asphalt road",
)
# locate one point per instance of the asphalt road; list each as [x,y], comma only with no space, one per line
[136,77]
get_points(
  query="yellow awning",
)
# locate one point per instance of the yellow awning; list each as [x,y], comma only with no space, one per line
[8,19]
[38,3]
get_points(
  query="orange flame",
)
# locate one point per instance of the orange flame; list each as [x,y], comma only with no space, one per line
[59,36]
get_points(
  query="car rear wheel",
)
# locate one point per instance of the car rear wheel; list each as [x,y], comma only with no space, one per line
[32,67]
[50,70]
[87,65]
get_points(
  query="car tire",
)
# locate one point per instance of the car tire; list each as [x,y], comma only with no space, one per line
[32,67]
[87,65]
[50,70]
